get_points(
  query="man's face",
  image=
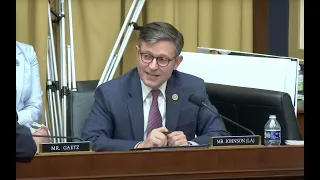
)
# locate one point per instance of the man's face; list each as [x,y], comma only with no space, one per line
[151,73]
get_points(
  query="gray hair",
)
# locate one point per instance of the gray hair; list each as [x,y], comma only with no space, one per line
[155,31]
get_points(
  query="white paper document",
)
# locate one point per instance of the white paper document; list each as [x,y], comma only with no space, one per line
[294,142]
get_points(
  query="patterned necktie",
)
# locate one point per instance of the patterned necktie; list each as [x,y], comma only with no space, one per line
[155,119]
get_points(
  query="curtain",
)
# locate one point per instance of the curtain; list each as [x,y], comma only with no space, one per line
[224,24]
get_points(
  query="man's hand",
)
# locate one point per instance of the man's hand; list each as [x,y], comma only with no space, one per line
[44,131]
[156,138]
[177,138]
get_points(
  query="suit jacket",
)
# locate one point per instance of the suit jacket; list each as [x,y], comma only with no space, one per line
[28,88]
[116,118]
[25,145]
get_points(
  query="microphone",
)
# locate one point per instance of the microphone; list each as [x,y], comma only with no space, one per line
[62,137]
[198,100]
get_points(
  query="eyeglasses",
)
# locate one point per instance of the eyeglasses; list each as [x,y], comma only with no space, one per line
[161,61]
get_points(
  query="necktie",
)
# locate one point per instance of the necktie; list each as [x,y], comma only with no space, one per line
[155,119]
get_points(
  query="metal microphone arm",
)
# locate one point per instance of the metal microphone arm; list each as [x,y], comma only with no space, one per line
[62,137]
[229,120]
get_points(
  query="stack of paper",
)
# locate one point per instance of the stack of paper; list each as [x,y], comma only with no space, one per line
[294,142]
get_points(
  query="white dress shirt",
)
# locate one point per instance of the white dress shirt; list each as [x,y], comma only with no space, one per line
[147,100]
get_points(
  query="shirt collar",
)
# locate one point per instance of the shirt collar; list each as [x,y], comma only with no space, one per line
[146,90]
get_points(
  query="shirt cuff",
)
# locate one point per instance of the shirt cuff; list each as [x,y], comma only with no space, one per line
[192,143]
[135,147]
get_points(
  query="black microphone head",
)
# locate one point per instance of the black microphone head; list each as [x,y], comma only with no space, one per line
[196,99]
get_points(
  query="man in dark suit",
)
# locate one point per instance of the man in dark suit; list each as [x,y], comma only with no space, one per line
[148,106]
[25,145]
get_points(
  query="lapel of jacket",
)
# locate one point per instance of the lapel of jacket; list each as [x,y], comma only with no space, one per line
[135,106]
[174,96]
[20,60]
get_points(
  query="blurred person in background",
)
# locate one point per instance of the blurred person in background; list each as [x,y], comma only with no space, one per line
[29,93]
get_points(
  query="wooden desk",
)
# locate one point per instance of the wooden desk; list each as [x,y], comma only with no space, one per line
[300,118]
[284,162]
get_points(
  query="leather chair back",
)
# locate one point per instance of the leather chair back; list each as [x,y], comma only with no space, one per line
[79,107]
[251,108]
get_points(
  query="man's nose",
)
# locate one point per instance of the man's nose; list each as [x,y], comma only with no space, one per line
[153,64]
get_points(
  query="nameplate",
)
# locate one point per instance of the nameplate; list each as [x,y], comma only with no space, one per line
[65,147]
[235,140]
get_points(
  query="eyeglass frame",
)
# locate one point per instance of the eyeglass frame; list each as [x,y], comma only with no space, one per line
[153,57]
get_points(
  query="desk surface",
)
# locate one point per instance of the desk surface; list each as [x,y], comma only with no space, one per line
[228,162]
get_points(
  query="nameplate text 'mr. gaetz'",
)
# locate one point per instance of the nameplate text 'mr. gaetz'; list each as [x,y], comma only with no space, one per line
[65,147]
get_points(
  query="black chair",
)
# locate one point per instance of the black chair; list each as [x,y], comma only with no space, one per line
[87,85]
[251,108]
[80,103]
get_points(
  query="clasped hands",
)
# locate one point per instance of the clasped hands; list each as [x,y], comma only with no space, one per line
[158,138]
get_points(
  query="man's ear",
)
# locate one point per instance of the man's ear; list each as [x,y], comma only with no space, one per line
[178,61]
[137,49]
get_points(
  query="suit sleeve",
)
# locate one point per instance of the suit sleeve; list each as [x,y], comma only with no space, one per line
[32,110]
[208,123]
[25,145]
[98,127]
